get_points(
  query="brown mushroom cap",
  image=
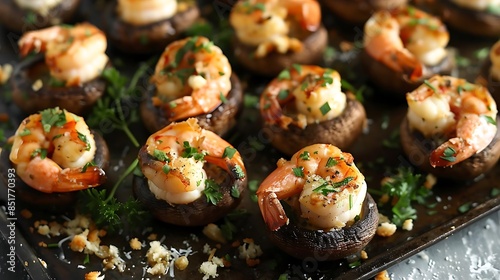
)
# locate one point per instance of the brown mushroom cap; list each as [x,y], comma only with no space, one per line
[418,148]
[149,38]
[479,23]
[273,63]
[76,99]
[359,11]
[56,202]
[322,245]
[15,18]
[395,84]
[199,212]
[220,121]
[341,131]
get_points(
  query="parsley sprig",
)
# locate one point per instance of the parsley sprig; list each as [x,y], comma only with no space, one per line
[405,187]
[107,211]
[109,109]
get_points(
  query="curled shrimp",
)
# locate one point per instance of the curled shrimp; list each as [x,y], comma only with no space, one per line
[406,40]
[462,112]
[142,12]
[269,24]
[329,187]
[173,160]
[50,151]
[74,54]
[301,95]
[192,77]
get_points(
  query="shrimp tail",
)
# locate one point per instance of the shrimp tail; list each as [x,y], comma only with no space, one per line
[271,110]
[272,211]
[308,13]
[73,179]
[449,153]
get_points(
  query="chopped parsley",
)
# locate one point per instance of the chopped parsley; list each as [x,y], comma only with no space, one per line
[39,152]
[405,187]
[305,156]
[84,139]
[240,174]
[165,168]
[489,119]
[222,98]
[235,192]
[284,75]
[25,132]
[297,68]
[465,87]
[327,79]
[298,171]
[329,187]
[464,207]
[253,186]
[160,155]
[429,85]
[212,192]
[87,165]
[448,154]
[52,117]
[325,108]
[229,152]
[331,162]
[282,94]
[192,152]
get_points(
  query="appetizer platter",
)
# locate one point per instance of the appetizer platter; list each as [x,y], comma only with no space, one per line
[216,152]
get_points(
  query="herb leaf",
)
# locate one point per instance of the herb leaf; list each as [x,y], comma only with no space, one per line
[229,152]
[405,187]
[52,117]
[212,192]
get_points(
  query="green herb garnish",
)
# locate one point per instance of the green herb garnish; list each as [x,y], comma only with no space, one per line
[106,211]
[229,152]
[212,192]
[448,154]
[329,187]
[284,75]
[52,117]
[325,108]
[331,162]
[298,171]
[305,156]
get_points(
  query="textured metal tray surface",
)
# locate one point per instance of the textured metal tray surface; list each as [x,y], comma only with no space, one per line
[368,149]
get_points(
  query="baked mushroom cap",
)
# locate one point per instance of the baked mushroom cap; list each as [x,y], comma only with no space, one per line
[323,245]
[21,20]
[56,202]
[359,11]
[418,149]
[273,63]
[149,38]
[341,131]
[199,212]
[471,21]
[220,121]
[396,84]
[34,90]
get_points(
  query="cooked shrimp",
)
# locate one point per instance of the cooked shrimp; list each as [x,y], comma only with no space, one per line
[450,107]
[303,94]
[329,187]
[50,150]
[495,61]
[479,5]
[192,77]
[406,40]
[268,24]
[74,54]
[142,12]
[173,161]
[40,6]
